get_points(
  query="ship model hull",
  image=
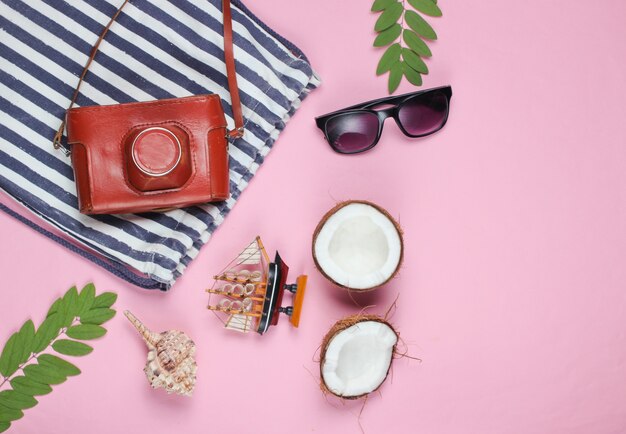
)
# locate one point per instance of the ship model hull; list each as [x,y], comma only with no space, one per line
[252,290]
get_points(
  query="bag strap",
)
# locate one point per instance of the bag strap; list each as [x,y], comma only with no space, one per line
[229,59]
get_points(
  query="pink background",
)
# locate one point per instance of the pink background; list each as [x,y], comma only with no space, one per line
[513,291]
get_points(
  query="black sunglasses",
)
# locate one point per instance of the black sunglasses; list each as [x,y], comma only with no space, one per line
[358,128]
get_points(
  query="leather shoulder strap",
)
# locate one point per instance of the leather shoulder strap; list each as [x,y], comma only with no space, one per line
[229,59]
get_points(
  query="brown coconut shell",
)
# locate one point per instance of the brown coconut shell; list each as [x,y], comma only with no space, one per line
[341,325]
[332,211]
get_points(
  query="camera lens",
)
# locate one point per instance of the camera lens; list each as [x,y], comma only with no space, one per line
[156,151]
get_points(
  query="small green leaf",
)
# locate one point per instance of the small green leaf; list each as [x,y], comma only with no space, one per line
[55,307]
[390,56]
[71,348]
[419,25]
[86,298]
[412,75]
[414,61]
[25,341]
[386,37]
[395,75]
[106,299]
[70,296]
[48,330]
[428,7]
[17,349]
[4,426]
[97,316]
[416,44]
[8,361]
[86,331]
[69,307]
[16,400]
[44,374]
[389,17]
[29,386]
[64,367]
[380,5]
[9,414]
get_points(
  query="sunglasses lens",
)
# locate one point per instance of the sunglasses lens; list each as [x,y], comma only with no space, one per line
[352,132]
[424,114]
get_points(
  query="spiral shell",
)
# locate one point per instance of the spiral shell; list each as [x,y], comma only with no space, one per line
[171,364]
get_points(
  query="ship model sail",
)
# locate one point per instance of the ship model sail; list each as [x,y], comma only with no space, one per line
[247,295]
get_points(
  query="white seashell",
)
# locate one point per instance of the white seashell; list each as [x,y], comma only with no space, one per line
[171,364]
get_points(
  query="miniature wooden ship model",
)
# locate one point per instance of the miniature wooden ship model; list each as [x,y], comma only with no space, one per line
[248,293]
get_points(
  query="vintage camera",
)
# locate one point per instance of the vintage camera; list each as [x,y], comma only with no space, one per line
[149,156]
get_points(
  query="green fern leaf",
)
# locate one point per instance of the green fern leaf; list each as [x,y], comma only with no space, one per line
[416,44]
[49,369]
[25,340]
[55,307]
[17,349]
[428,7]
[390,56]
[48,330]
[16,400]
[64,367]
[389,17]
[85,331]
[411,47]
[86,298]
[9,414]
[106,299]
[8,361]
[395,76]
[414,61]
[69,307]
[380,5]
[386,37]
[44,374]
[419,25]
[412,75]
[29,386]
[97,316]
[71,348]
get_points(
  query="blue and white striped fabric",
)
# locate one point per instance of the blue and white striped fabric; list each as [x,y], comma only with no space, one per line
[156,49]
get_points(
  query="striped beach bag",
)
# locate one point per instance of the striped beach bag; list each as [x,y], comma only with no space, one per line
[156,49]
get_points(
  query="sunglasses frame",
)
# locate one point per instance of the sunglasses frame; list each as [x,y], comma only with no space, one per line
[382,115]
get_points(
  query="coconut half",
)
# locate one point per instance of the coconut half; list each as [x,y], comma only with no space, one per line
[356,356]
[358,245]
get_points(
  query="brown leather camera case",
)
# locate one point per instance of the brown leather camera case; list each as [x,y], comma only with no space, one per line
[144,156]
[150,156]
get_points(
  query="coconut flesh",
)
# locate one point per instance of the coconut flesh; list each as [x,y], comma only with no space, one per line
[356,358]
[357,245]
